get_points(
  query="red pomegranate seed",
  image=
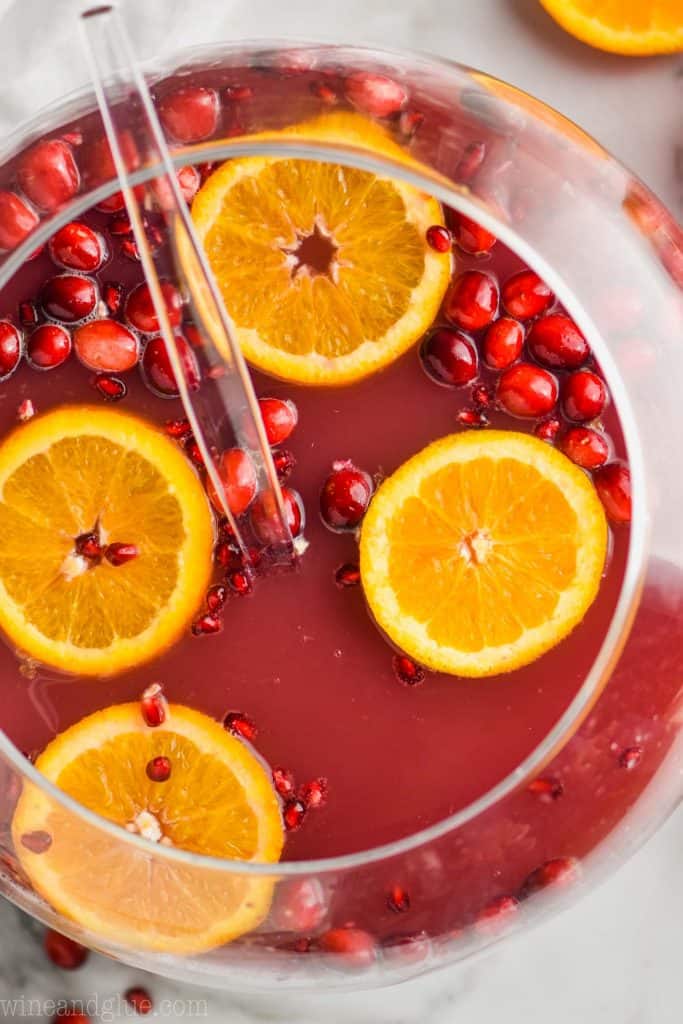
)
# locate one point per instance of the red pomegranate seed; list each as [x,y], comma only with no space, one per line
[64,952]
[472,300]
[71,1016]
[189,180]
[547,790]
[178,429]
[279,416]
[228,555]
[158,769]
[157,370]
[69,297]
[207,625]
[630,758]
[17,220]
[112,389]
[10,349]
[583,395]
[293,814]
[407,948]
[482,396]
[37,842]
[284,463]
[503,343]
[120,553]
[240,724]
[495,917]
[376,95]
[473,418]
[190,114]
[439,238]
[555,873]
[77,247]
[408,671]
[25,410]
[353,948]
[324,92]
[216,596]
[525,295]
[88,545]
[313,794]
[449,357]
[120,226]
[548,430]
[283,780]
[556,341]
[106,346]
[238,477]
[398,900]
[240,582]
[153,705]
[206,169]
[586,447]
[48,174]
[141,314]
[527,391]
[299,906]
[112,293]
[345,497]
[347,575]
[409,122]
[613,484]
[470,236]
[194,452]
[28,314]
[139,1000]
[72,138]
[471,160]
[238,93]
[129,249]
[48,347]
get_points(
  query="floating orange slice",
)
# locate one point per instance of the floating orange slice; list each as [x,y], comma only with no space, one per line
[637,27]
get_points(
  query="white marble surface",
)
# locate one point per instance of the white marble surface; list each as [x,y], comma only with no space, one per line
[617,955]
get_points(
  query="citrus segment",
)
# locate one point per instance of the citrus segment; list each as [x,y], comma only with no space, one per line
[638,27]
[218,800]
[482,552]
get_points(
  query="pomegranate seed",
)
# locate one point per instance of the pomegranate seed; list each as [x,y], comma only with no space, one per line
[129,249]
[10,349]
[347,575]
[586,447]
[216,596]
[547,790]
[503,343]
[548,430]
[345,497]
[240,582]
[36,842]
[630,758]
[284,463]
[613,484]
[106,346]
[228,555]
[376,95]
[398,900]
[120,226]
[25,410]
[408,671]
[313,794]
[73,138]
[120,553]
[279,416]
[471,160]
[472,300]
[482,396]
[139,1000]
[158,769]
[283,780]
[189,181]
[157,370]
[240,724]
[178,429]
[112,293]
[48,174]
[112,389]
[28,314]
[69,297]
[439,238]
[299,906]
[555,873]
[238,477]
[194,452]
[207,625]
[325,93]
[64,952]
[17,220]
[410,948]
[496,916]
[473,418]
[470,236]
[48,347]
[77,247]
[556,341]
[353,948]
[409,122]
[238,93]
[141,314]
[583,395]
[190,114]
[527,391]
[525,295]
[153,705]
[293,814]
[88,545]
[206,169]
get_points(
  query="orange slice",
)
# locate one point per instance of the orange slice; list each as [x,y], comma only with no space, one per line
[324,269]
[63,475]
[218,800]
[482,552]
[636,27]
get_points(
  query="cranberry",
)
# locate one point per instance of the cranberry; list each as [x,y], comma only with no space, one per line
[313,794]
[48,174]
[293,814]
[106,346]
[527,391]
[324,92]
[241,725]
[120,553]
[141,314]
[525,295]
[496,916]
[158,769]
[472,300]
[470,236]
[408,671]
[97,163]
[216,596]
[37,842]
[48,347]
[345,497]
[439,238]
[630,758]
[153,705]
[503,343]
[548,430]
[283,780]
[238,477]
[139,1000]
[556,873]
[10,349]
[398,900]
[299,906]
[264,523]
[238,93]
[279,418]
[449,357]
[158,372]
[586,447]
[77,247]
[547,790]
[347,575]
[613,484]
[64,952]
[190,114]
[376,95]
[583,395]
[470,162]
[353,948]
[17,220]
[284,463]
[207,625]
[69,297]
[556,341]
[240,582]
[189,181]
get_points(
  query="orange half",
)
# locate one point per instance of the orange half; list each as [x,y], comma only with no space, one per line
[631,27]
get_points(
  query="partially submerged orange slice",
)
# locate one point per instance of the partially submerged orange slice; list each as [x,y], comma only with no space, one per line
[638,27]
[482,552]
[218,800]
[61,476]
